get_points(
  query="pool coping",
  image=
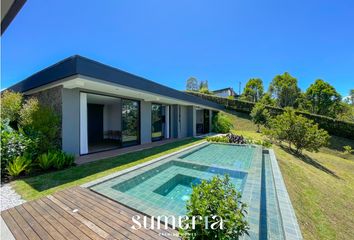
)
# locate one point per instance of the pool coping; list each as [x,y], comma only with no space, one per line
[291,228]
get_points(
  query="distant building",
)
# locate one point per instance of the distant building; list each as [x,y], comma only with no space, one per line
[225,92]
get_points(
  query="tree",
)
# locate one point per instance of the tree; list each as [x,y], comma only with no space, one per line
[297,130]
[219,202]
[253,90]
[221,123]
[192,84]
[323,99]
[259,115]
[284,90]
[203,84]
[351,94]
[267,100]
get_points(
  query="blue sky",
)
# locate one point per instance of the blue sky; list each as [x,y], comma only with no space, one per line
[223,42]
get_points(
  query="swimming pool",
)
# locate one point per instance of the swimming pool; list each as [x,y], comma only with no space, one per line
[164,186]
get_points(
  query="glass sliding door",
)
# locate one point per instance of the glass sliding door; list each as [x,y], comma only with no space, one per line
[157,122]
[130,122]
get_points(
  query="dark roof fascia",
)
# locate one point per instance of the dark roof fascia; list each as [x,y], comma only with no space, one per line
[11,14]
[86,67]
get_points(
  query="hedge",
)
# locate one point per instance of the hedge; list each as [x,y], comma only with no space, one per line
[331,125]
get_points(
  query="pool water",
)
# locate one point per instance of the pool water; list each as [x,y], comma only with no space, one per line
[170,184]
[231,156]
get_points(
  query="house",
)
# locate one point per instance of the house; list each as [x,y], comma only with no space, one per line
[225,92]
[103,108]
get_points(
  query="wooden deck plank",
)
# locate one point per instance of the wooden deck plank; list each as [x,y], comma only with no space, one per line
[24,225]
[96,218]
[112,208]
[82,219]
[71,222]
[41,221]
[113,216]
[33,223]
[92,217]
[12,225]
[52,221]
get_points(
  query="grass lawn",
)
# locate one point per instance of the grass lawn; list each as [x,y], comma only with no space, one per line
[41,185]
[320,185]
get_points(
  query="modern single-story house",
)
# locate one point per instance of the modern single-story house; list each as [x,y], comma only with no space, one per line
[103,108]
[225,92]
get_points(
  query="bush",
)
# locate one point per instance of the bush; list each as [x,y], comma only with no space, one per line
[10,106]
[60,159]
[13,144]
[233,138]
[217,197]
[42,123]
[45,161]
[18,165]
[347,149]
[223,139]
[260,115]
[297,130]
[221,123]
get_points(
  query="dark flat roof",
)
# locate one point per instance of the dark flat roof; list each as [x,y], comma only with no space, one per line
[76,64]
[7,15]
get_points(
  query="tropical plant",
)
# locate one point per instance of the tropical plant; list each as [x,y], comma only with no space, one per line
[284,90]
[223,139]
[260,115]
[220,202]
[253,90]
[297,130]
[18,165]
[45,161]
[13,144]
[221,123]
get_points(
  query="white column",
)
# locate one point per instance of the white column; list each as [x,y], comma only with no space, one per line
[167,121]
[83,124]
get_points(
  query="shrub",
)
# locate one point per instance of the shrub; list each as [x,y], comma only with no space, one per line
[233,138]
[18,165]
[217,197]
[347,149]
[60,159]
[223,139]
[42,123]
[10,105]
[259,115]
[13,144]
[45,161]
[27,111]
[297,130]
[221,123]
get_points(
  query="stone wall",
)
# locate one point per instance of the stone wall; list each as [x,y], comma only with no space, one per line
[52,98]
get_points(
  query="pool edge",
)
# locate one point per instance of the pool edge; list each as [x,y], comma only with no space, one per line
[290,224]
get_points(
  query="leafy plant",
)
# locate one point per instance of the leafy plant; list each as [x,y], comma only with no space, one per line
[217,197]
[223,139]
[18,165]
[10,105]
[42,123]
[233,138]
[45,161]
[260,115]
[297,130]
[13,144]
[348,149]
[221,123]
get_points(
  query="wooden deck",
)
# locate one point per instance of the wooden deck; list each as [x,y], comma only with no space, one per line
[77,213]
